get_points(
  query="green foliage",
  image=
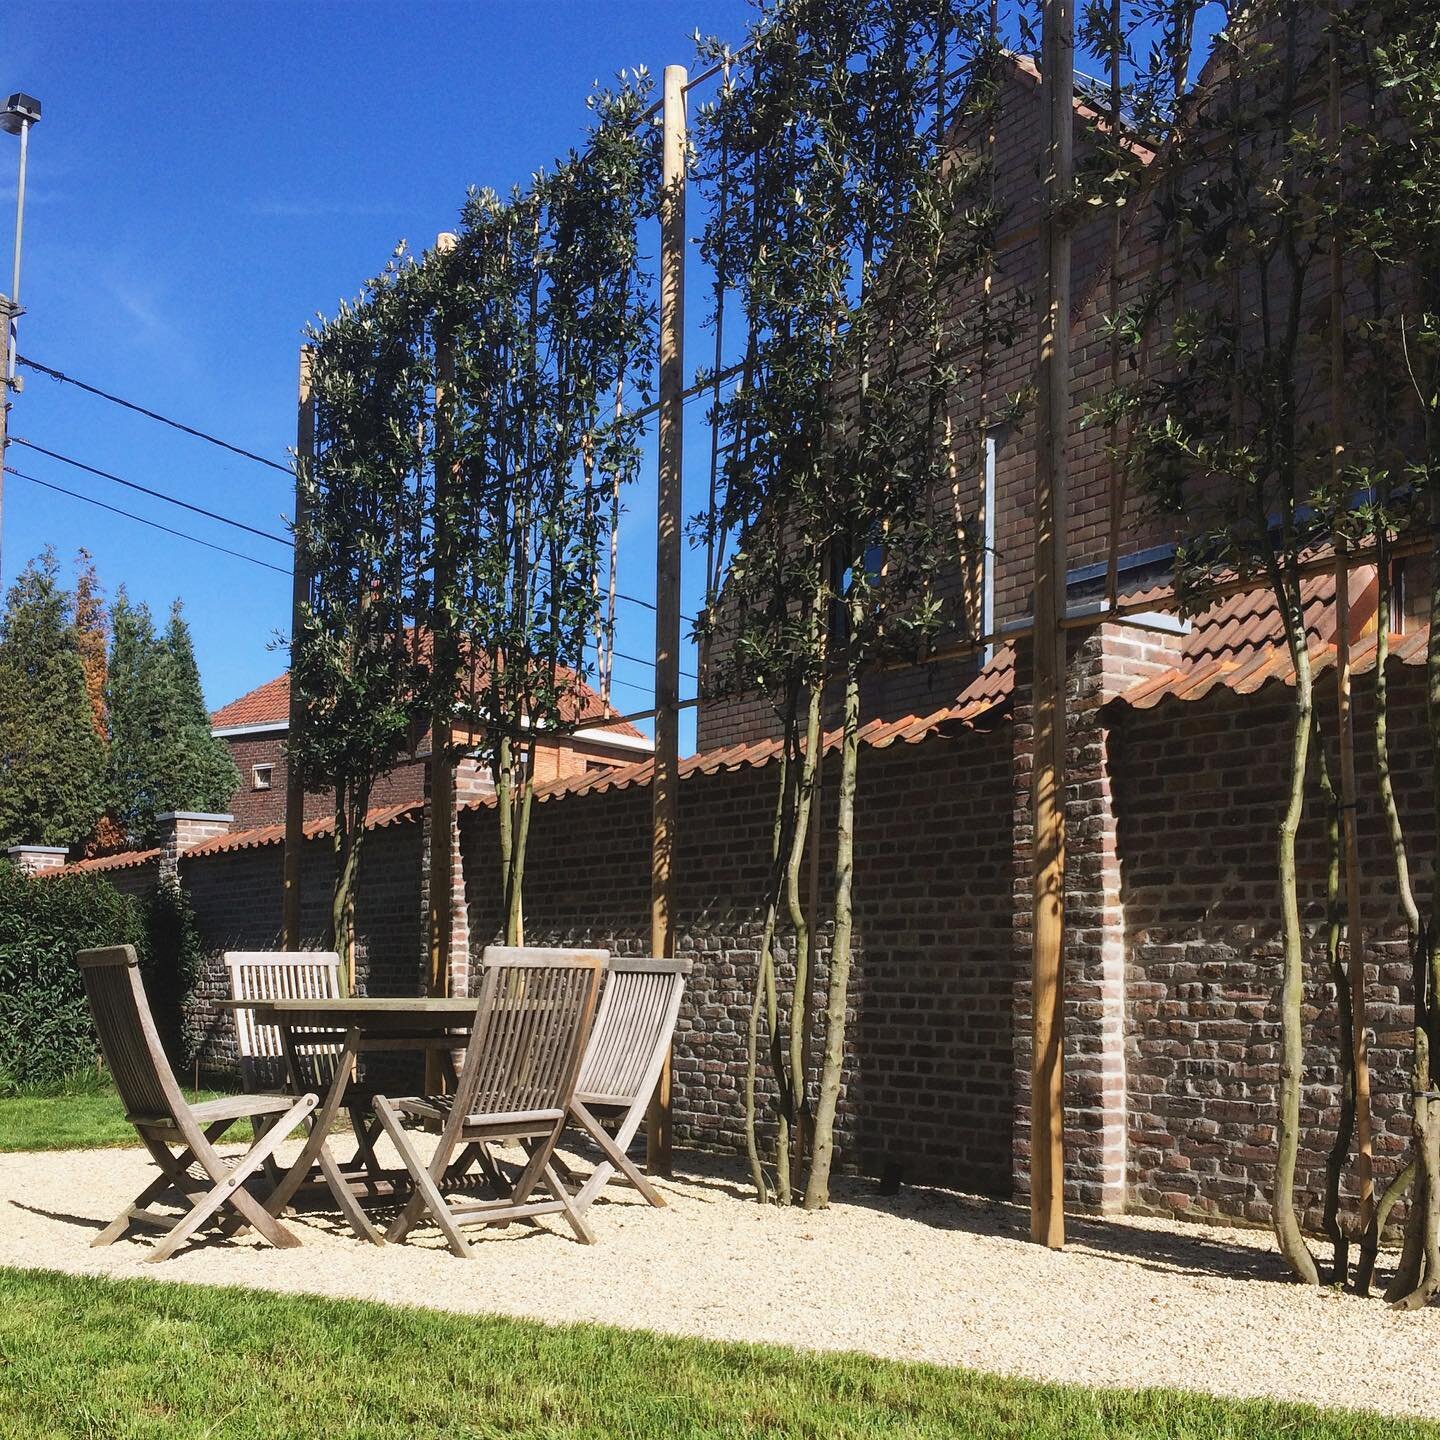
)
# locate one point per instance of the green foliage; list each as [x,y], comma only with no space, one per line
[355,662]
[162,755]
[51,759]
[46,1034]
[550,329]
[469,458]
[45,1028]
[204,775]
[176,958]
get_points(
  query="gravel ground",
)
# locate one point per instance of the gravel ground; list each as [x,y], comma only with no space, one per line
[927,1275]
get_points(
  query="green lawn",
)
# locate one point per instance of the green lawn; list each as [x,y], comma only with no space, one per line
[86,1117]
[131,1358]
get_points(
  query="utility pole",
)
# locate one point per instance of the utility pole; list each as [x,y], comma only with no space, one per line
[299,594]
[1047,778]
[6,305]
[20,113]
[666,792]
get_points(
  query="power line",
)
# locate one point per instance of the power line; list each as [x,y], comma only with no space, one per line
[153,524]
[650,664]
[152,414]
[155,494]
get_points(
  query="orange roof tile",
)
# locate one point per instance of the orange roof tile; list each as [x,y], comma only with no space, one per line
[1239,643]
[378,819]
[876,735]
[267,704]
[121,860]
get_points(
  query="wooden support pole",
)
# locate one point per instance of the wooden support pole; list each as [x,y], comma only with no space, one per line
[1047,781]
[442,761]
[667,572]
[299,594]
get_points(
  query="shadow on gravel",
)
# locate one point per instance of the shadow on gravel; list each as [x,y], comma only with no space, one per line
[1176,1252]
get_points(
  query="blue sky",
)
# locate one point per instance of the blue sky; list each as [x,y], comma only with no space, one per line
[208,176]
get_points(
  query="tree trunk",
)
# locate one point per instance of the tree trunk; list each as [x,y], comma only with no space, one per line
[1292,988]
[817,1188]
[504,777]
[348,840]
[1339,977]
[765,992]
[1370,1244]
[520,836]
[1419,1278]
[810,762]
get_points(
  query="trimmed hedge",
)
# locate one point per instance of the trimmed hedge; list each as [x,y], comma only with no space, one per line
[46,1034]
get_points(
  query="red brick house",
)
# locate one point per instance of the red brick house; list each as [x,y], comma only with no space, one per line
[255,726]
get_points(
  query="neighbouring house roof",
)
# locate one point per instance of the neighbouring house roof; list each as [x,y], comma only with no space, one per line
[267,704]
[268,707]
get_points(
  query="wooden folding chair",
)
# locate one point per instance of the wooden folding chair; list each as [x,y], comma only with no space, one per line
[531,1024]
[634,1026]
[156,1108]
[294,975]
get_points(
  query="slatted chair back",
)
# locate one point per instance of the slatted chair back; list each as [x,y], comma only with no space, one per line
[494,954]
[639,1007]
[532,1021]
[283,975]
[128,1037]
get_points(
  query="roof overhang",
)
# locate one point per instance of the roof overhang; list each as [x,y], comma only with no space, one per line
[264,727]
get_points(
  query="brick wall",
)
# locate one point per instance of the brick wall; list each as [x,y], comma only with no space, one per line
[236,898]
[928,1087]
[1199,788]
[1172,958]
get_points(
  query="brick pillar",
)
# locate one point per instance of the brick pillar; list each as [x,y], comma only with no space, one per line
[37,859]
[471,782]
[1102,664]
[182,830]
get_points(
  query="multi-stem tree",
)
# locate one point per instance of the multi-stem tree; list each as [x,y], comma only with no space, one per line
[1225,435]
[1395,348]
[549,334]
[835,205]
[355,660]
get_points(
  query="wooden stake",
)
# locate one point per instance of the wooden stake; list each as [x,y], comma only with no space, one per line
[1047,783]
[442,762]
[299,594]
[440,860]
[667,573]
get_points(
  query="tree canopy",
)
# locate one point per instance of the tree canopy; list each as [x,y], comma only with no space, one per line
[52,783]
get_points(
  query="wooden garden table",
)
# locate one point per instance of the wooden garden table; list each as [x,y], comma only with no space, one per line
[367,1024]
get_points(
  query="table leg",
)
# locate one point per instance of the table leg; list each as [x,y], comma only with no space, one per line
[315,1150]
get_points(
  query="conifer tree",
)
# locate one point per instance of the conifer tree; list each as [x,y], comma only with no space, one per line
[51,758]
[162,755]
[202,773]
[91,635]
